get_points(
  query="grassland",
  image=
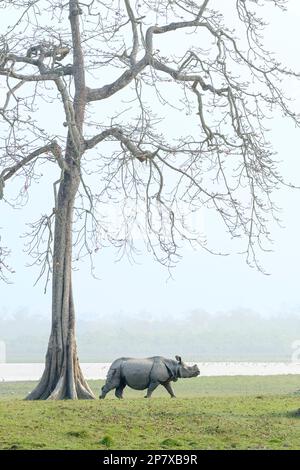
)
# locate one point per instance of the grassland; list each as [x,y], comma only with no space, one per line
[209,413]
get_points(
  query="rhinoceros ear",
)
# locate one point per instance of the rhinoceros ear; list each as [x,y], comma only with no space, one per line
[178,358]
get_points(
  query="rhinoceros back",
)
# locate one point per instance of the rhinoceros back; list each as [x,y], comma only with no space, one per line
[136,372]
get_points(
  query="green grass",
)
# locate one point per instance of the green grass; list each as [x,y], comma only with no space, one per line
[209,413]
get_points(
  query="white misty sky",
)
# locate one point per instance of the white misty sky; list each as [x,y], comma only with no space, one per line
[200,280]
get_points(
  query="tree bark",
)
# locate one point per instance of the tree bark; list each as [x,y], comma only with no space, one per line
[62,378]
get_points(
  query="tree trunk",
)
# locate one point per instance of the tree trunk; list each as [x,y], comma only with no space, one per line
[62,377]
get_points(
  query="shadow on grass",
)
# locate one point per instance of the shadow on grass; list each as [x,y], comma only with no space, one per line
[293,414]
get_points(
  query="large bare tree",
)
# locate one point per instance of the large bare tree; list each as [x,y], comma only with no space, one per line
[160,110]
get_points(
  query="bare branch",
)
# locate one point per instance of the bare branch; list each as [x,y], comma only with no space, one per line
[62,71]
[118,134]
[135,41]
[5,269]
[54,148]
[106,91]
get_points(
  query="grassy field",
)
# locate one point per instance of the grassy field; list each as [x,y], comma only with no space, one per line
[209,413]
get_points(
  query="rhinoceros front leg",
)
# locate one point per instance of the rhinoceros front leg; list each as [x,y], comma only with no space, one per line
[169,389]
[151,388]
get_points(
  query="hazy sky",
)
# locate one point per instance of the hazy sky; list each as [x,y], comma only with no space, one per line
[199,280]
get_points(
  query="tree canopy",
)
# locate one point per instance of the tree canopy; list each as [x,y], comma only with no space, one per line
[146,66]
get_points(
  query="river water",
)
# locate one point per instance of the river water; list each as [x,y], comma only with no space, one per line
[21,372]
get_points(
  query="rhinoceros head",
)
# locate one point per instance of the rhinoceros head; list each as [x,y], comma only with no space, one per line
[185,370]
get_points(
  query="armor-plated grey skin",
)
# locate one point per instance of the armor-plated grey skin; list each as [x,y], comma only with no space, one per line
[146,373]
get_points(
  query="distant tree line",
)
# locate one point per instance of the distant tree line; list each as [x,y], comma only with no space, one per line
[238,335]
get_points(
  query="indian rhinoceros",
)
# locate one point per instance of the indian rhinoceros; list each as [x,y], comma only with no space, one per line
[146,373]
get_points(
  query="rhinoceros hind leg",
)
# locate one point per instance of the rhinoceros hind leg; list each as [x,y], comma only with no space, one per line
[119,390]
[103,393]
[169,389]
[151,388]
[107,388]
